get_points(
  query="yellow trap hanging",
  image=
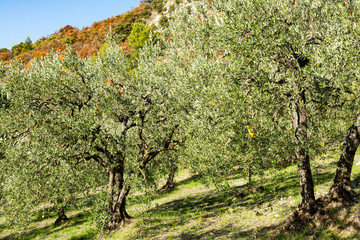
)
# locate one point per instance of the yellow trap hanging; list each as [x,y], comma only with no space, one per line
[252,130]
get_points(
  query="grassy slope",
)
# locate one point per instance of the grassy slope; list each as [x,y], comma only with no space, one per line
[196,211]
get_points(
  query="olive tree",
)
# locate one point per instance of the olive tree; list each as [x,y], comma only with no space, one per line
[35,170]
[94,112]
[289,67]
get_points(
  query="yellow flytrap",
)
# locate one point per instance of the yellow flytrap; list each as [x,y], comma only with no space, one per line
[252,130]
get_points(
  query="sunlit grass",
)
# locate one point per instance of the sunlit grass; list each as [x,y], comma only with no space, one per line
[194,210]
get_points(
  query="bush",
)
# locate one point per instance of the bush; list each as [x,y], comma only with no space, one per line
[164,21]
[139,35]
[69,40]
[16,49]
[123,28]
[122,31]
[146,12]
[129,17]
[27,45]
[38,54]
[38,43]
[140,21]
[5,54]
[158,6]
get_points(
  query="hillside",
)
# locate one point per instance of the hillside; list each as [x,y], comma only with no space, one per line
[194,210]
[88,40]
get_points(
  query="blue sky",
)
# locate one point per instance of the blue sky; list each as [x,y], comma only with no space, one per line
[40,18]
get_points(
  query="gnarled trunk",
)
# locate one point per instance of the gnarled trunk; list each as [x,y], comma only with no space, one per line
[340,189]
[308,203]
[118,191]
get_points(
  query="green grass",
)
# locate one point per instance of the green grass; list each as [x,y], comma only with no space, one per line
[195,211]
[78,227]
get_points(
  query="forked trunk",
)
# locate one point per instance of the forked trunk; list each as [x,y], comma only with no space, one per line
[308,203]
[340,189]
[117,210]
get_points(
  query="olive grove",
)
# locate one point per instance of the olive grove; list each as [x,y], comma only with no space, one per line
[235,86]
[288,67]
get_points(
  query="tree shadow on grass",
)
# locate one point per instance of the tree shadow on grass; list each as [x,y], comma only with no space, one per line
[213,203]
[274,231]
[86,236]
[138,199]
[182,211]
[52,211]
[76,220]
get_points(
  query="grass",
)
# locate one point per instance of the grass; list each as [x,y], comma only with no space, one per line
[78,227]
[195,211]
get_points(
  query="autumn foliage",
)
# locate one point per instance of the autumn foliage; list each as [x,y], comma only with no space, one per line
[5,54]
[86,41]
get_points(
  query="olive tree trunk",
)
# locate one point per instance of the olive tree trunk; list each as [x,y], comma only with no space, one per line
[61,213]
[340,189]
[118,191]
[308,203]
[170,184]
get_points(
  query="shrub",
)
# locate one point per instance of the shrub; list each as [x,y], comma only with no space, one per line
[69,40]
[171,8]
[158,6]
[122,32]
[146,12]
[16,49]
[140,21]
[129,17]
[27,45]
[164,21]
[5,54]
[139,35]
[38,54]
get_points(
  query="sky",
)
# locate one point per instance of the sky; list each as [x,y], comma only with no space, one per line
[20,19]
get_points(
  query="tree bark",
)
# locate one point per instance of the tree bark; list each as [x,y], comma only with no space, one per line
[170,184]
[340,189]
[118,191]
[308,203]
[249,177]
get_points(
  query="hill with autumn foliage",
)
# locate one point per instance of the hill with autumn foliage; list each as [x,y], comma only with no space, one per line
[89,40]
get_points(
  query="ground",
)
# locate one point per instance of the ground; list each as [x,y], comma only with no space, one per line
[194,210]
